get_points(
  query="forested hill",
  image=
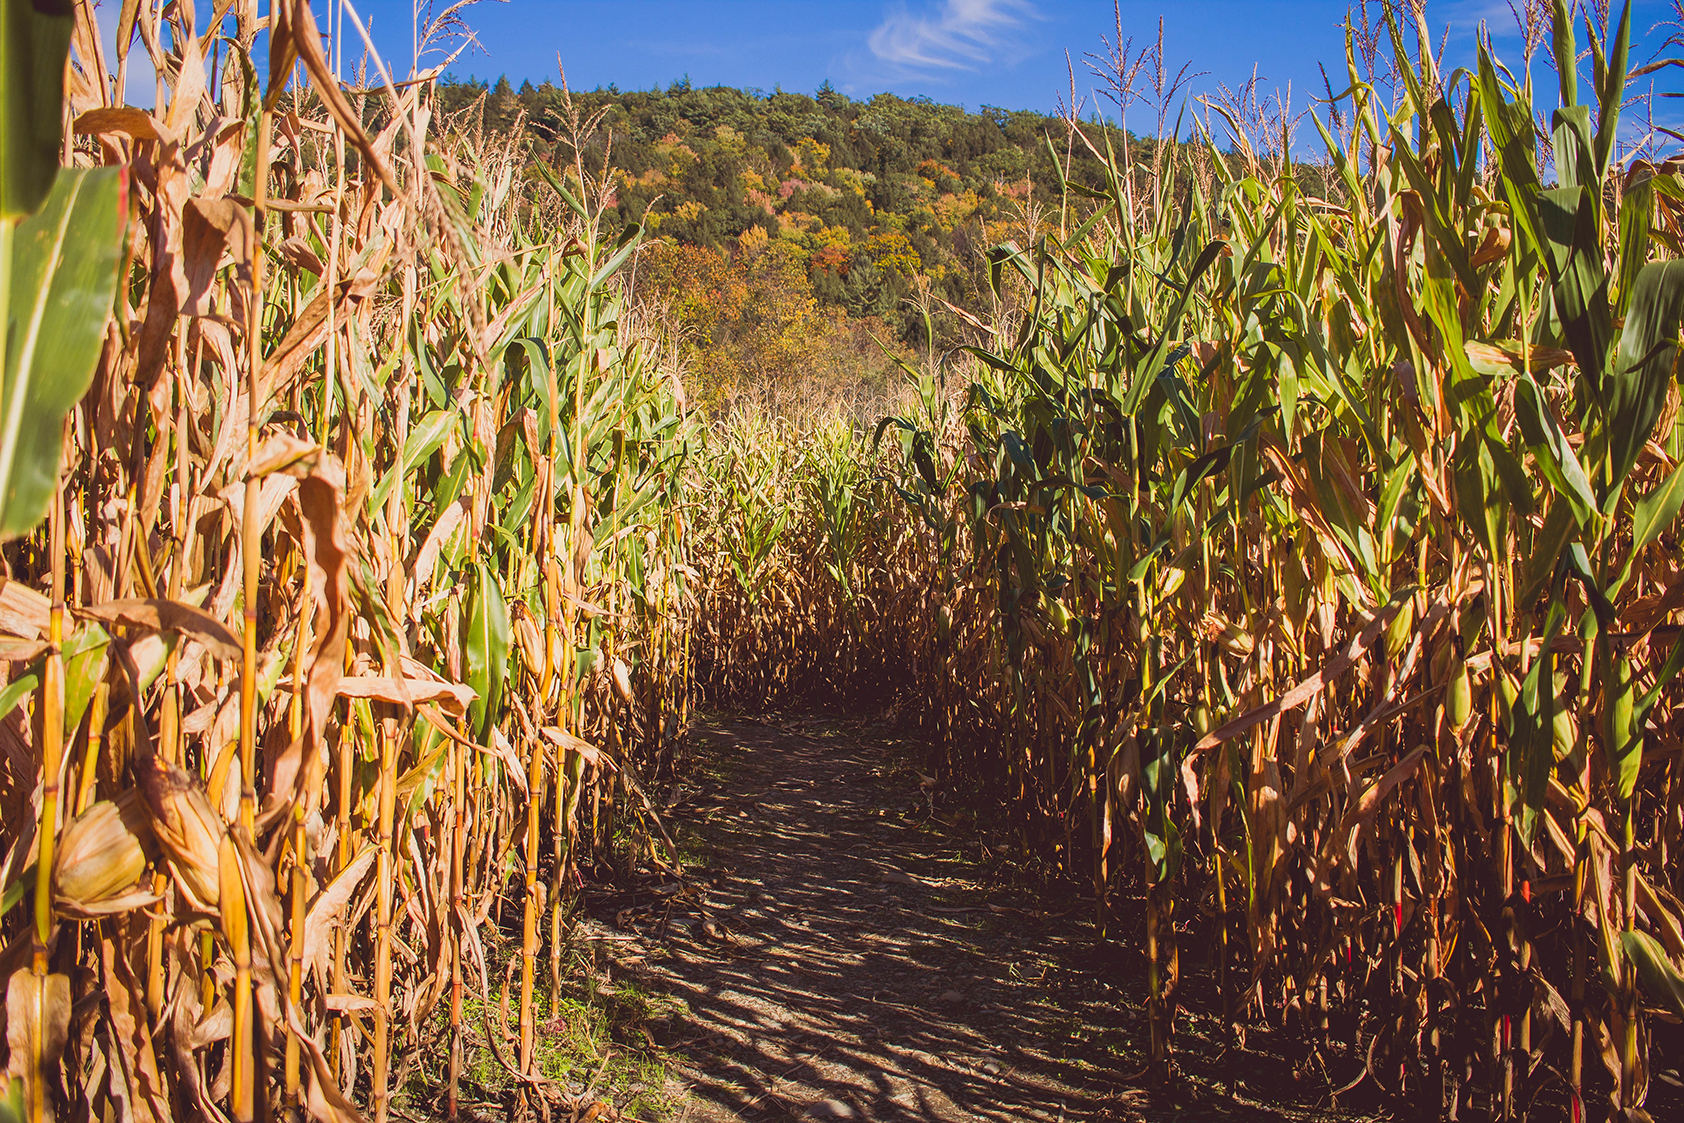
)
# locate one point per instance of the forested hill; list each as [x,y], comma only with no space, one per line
[872,189]
[849,201]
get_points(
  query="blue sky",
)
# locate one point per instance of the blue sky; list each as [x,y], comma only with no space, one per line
[1007,53]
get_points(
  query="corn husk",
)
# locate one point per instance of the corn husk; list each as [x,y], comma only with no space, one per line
[188,829]
[102,855]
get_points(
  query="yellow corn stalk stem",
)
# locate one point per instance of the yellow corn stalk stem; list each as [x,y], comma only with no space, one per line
[458,907]
[243,1092]
[300,890]
[243,1096]
[250,532]
[342,861]
[380,1095]
[534,906]
[52,746]
[91,755]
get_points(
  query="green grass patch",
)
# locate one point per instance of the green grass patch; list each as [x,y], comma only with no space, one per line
[593,1035]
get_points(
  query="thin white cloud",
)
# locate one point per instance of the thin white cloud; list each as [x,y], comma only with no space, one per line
[951,35]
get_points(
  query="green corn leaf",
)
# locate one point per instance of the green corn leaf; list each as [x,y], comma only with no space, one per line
[1336,152]
[64,263]
[1567,219]
[543,382]
[1554,455]
[1578,563]
[1093,220]
[1467,393]
[1509,127]
[1400,50]
[15,891]
[1163,849]
[1516,485]
[34,40]
[424,439]
[1449,248]
[87,655]
[1661,977]
[1643,365]
[1472,137]
[13,1108]
[1478,501]
[450,485]
[16,691]
[1575,152]
[1547,545]
[1057,166]
[1656,511]
[1621,730]
[1532,732]
[1159,359]
[566,196]
[1398,481]
[1636,207]
[1289,397]
[629,241]
[485,649]
[1199,470]
[1565,48]
[1610,93]
[1669,671]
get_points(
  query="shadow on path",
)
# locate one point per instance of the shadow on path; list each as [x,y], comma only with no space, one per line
[834,957]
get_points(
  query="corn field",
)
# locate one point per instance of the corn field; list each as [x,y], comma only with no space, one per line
[1290,556]
[1298,571]
[358,606]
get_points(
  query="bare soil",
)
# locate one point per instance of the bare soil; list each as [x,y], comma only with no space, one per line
[836,951]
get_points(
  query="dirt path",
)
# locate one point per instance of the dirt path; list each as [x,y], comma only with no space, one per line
[836,956]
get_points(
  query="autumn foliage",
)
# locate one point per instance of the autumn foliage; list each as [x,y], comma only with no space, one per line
[751,330]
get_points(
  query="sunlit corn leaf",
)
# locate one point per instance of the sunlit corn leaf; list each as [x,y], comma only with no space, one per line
[63,277]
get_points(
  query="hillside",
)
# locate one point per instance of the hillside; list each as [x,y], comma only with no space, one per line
[791,228]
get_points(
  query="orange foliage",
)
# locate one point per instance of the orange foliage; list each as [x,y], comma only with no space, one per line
[832,259]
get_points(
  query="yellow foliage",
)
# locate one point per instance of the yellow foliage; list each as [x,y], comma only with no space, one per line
[677,155]
[853,180]
[890,249]
[953,210]
[730,139]
[753,242]
[811,157]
